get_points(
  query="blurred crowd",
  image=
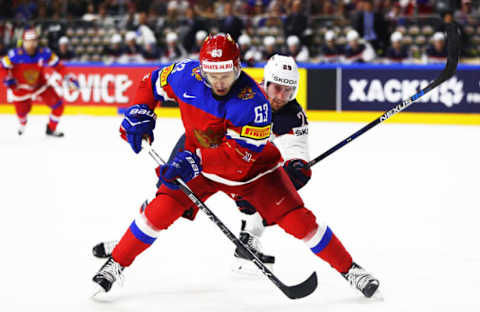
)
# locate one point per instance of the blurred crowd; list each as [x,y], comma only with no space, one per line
[313,31]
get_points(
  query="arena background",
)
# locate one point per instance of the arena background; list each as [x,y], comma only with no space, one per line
[340,90]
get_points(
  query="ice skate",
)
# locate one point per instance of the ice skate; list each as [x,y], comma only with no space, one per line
[21,129]
[54,133]
[243,264]
[362,280]
[104,249]
[108,274]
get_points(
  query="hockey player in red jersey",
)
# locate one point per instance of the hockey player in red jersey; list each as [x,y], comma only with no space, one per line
[289,134]
[26,79]
[227,122]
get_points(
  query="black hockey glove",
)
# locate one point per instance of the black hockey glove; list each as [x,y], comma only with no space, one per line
[298,172]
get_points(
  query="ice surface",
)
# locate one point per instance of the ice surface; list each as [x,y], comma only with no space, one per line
[404,199]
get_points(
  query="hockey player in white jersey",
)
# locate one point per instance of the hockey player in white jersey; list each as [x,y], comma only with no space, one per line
[289,134]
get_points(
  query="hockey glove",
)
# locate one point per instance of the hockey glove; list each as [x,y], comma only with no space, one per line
[298,172]
[185,165]
[10,82]
[71,81]
[138,123]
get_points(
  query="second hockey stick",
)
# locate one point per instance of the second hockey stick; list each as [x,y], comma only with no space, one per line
[293,292]
[453,48]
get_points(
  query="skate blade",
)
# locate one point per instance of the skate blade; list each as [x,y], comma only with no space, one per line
[98,292]
[248,268]
[378,296]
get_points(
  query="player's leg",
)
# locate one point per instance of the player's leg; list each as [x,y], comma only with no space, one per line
[22,108]
[104,249]
[252,228]
[158,215]
[278,202]
[51,98]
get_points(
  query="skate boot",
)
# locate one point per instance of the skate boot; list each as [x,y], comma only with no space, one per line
[54,133]
[243,263]
[104,249]
[362,280]
[21,129]
[108,274]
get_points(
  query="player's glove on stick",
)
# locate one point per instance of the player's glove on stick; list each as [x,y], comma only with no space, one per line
[71,81]
[298,171]
[138,123]
[10,82]
[185,165]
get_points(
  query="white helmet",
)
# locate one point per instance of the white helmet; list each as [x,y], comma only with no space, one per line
[282,70]
[352,35]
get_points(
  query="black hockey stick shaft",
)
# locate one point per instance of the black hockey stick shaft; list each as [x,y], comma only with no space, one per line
[453,47]
[293,292]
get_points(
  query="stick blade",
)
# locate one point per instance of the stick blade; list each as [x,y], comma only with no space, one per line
[303,289]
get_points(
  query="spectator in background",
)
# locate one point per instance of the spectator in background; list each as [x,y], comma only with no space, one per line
[132,53]
[330,51]
[231,24]
[248,53]
[144,32]
[64,51]
[199,38]
[151,51]
[437,51]
[357,51]
[298,51]
[397,52]
[464,15]
[296,21]
[24,10]
[174,51]
[192,25]
[371,26]
[274,17]
[90,15]
[114,50]
[171,22]
[204,9]
[269,48]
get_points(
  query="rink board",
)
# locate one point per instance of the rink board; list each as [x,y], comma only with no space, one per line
[357,93]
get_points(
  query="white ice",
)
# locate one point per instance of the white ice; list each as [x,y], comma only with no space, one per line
[404,199]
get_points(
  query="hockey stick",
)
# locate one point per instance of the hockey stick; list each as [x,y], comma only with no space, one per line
[453,48]
[293,292]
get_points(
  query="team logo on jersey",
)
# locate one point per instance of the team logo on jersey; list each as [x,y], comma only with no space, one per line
[31,76]
[164,75]
[196,73]
[246,94]
[256,133]
[210,137]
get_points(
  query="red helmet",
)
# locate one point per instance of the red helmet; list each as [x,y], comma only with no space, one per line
[219,54]
[30,34]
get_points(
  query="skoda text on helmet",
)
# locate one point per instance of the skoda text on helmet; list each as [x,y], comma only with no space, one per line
[282,70]
[219,54]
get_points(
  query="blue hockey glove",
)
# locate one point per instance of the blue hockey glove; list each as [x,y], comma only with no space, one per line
[138,123]
[185,165]
[71,81]
[10,82]
[298,172]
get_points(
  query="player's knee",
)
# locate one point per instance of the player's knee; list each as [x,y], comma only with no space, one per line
[57,108]
[299,222]
[162,211]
